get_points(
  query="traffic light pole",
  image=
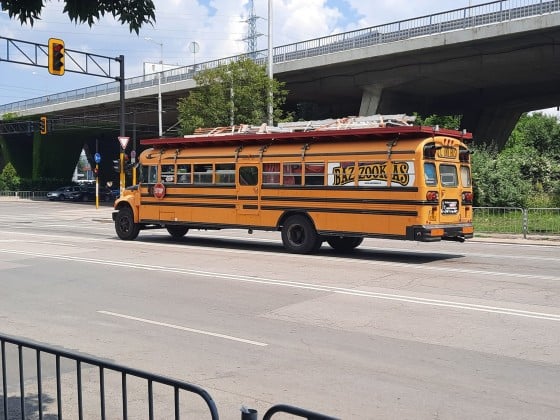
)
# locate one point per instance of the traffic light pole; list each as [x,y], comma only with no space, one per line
[123,125]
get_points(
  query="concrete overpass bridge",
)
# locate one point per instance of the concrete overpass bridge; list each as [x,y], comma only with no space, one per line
[489,62]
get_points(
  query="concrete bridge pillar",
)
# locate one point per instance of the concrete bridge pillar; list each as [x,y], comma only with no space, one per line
[491,125]
[371,98]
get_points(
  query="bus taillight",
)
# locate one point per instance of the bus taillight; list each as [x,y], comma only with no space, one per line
[432,196]
[467,197]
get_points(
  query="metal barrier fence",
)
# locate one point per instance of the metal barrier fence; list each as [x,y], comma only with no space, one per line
[23,195]
[88,387]
[517,221]
[457,19]
[110,380]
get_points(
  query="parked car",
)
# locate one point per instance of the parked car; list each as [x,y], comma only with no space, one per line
[63,193]
[87,193]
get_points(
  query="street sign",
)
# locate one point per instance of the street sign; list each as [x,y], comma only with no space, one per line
[159,190]
[123,141]
[97,158]
[133,156]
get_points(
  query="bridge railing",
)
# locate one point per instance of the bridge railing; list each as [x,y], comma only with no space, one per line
[457,19]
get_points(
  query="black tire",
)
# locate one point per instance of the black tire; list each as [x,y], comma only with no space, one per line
[177,231]
[299,235]
[62,197]
[344,243]
[124,225]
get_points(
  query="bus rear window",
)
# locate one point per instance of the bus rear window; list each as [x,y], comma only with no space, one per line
[466,180]
[430,175]
[448,175]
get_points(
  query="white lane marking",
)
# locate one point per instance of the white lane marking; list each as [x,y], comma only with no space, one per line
[307,286]
[329,258]
[179,327]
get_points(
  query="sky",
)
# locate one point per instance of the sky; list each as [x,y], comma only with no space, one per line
[218,27]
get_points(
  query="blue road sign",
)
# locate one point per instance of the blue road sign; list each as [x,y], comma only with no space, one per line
[97,158]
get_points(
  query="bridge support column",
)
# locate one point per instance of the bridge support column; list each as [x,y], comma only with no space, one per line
[371,98]
[491,125]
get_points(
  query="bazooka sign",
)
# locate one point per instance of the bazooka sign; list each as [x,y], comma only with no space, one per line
[371,173]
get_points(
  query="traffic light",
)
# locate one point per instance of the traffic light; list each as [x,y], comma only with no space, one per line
[117,165]
[56,56]
[43,125]
[96,172]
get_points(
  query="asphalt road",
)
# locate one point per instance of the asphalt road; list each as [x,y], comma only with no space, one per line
[397,330]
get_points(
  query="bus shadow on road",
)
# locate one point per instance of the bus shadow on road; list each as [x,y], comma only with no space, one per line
[365,253]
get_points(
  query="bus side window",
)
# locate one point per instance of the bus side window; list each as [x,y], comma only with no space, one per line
[292,174]
[315,173]
[430,175]
[148,174]
[271,173]
[225,173]
[203,173]
[167,173]
[184,174]
[248,175]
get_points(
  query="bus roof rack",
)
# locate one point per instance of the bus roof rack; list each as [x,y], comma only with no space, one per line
[347,123]
[370,127]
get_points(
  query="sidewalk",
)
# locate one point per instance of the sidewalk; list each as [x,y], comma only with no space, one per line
[551,240]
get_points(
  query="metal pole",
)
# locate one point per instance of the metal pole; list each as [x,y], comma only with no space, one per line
[122,130]
[159,90]
[270,62]
[96,176]
[133,153]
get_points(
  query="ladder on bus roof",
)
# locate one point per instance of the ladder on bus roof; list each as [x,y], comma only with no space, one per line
[347,123]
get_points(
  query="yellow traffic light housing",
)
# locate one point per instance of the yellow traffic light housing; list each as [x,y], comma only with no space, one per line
[43,125]
[56,56]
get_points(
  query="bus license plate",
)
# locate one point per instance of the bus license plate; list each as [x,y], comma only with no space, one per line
[449,207]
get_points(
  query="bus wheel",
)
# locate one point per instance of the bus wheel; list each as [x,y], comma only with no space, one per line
[177,231]
[344,243]
[299,235]
[125,226]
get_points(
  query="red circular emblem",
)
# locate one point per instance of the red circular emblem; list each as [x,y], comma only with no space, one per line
[159,190]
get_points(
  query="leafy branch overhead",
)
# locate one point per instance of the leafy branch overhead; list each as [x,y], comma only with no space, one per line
[135,13]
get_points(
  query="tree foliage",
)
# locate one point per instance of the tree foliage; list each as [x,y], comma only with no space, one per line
[452,122]
[526,173]
[135,13]
[239,89]
[9,180]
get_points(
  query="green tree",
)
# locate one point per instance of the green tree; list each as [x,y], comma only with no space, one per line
[536,131]
[9,180]
[239,90]
[135,13]
[452,122]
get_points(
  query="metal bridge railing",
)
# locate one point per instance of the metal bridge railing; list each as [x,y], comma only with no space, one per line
[457,19]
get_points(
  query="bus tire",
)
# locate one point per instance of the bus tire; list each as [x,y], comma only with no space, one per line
[177,231]
[299,235]
[344,243]
[124,225]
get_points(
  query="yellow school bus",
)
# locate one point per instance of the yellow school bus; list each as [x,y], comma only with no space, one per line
[334,181]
